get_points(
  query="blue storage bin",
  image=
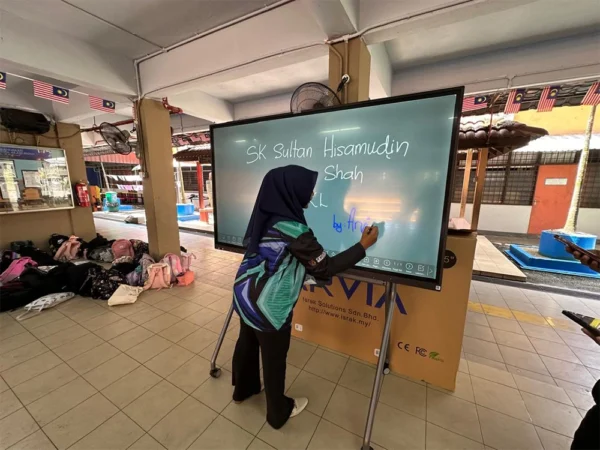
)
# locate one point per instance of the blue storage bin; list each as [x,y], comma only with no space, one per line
[185,209]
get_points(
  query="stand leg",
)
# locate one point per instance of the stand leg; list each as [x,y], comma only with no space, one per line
[390,293]
[214,371]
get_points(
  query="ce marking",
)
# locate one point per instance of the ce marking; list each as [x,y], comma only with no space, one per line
[403,346]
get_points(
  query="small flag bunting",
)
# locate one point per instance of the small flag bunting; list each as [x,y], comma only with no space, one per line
[101,104]
[50,92]
[515,98]
[2,80]
[593,95]
[473,103]
[548,98]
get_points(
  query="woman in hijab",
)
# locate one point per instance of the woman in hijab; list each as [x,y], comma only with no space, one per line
[281,251]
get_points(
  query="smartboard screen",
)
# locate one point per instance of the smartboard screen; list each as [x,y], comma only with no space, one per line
[387,162]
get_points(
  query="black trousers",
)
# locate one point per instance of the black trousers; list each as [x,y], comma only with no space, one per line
[587,436]
[274,347]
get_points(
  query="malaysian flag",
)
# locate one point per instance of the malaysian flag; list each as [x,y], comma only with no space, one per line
[54,93]
[513,104]
[473,103]
[101,104]
[2,80]
[593,95]
[548,98]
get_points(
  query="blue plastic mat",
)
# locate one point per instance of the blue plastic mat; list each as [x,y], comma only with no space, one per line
[527,258]
[188,217]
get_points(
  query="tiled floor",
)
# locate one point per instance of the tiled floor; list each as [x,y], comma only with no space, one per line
[85,376]
[491,262]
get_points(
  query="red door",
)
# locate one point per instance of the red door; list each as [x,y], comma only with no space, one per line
[552,197]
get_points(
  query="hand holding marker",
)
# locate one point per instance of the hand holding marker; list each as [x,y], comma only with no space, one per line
[369,236]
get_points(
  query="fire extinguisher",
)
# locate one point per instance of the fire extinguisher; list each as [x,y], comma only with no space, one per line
[82,197]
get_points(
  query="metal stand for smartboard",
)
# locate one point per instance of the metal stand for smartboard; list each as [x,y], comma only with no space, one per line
[382,362]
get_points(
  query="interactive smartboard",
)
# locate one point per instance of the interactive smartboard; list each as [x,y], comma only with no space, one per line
[387,161]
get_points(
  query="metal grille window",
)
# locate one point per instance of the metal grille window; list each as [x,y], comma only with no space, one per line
[459,175]
[190,179]
[520,185]
[494,186]
[590,190]
[509,180]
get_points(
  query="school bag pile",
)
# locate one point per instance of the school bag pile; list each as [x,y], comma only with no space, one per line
[93,269]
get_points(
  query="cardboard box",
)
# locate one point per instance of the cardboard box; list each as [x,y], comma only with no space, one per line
[427,329]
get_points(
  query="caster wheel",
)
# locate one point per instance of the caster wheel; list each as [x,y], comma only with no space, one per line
[215,373]
[386,371]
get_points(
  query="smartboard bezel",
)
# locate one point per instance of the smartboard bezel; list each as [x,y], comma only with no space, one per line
[362,272]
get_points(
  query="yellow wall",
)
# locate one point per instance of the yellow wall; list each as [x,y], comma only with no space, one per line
[561,120]
[38,226]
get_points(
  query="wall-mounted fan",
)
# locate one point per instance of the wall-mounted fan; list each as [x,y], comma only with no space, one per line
[115,138]
[311,96]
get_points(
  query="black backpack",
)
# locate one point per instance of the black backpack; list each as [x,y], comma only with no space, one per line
[18,246]
[80,277]
[105,283]
[56,241]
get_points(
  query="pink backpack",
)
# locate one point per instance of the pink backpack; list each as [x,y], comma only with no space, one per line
[15,269]
[68,250]
[186,261]
[122,247]
[174,263]
[159,276]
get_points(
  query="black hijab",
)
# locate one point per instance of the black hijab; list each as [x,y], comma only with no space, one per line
[283,195]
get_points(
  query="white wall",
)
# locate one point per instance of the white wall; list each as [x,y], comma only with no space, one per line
[545,62]
[505,218]
[276,104]
[589,221]
[515,219]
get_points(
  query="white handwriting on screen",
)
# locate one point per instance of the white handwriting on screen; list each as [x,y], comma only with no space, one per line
[386,147]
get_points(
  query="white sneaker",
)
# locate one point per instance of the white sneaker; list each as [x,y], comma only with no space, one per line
[299,405]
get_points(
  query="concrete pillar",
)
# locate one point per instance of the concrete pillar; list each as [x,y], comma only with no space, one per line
[82,219]
[159,182]
[352,58]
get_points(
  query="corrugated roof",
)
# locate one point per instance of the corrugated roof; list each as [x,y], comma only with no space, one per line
[565,143]
[501,137]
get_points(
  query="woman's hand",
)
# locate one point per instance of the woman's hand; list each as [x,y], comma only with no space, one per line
[369,237]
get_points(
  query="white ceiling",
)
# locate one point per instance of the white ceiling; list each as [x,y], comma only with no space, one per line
[271,82]
[429,41]
[157,23]
[263,56]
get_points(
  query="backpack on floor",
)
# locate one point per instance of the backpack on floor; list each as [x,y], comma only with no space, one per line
[159,276]
[122,247]
[17,246]
[105,283]
[174,263]
[55,241]
[139,276]
[103,254]
[81,277]
[140,248]
[185,279]
[68,249]
[7,258]
[186,261]
[15,269]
